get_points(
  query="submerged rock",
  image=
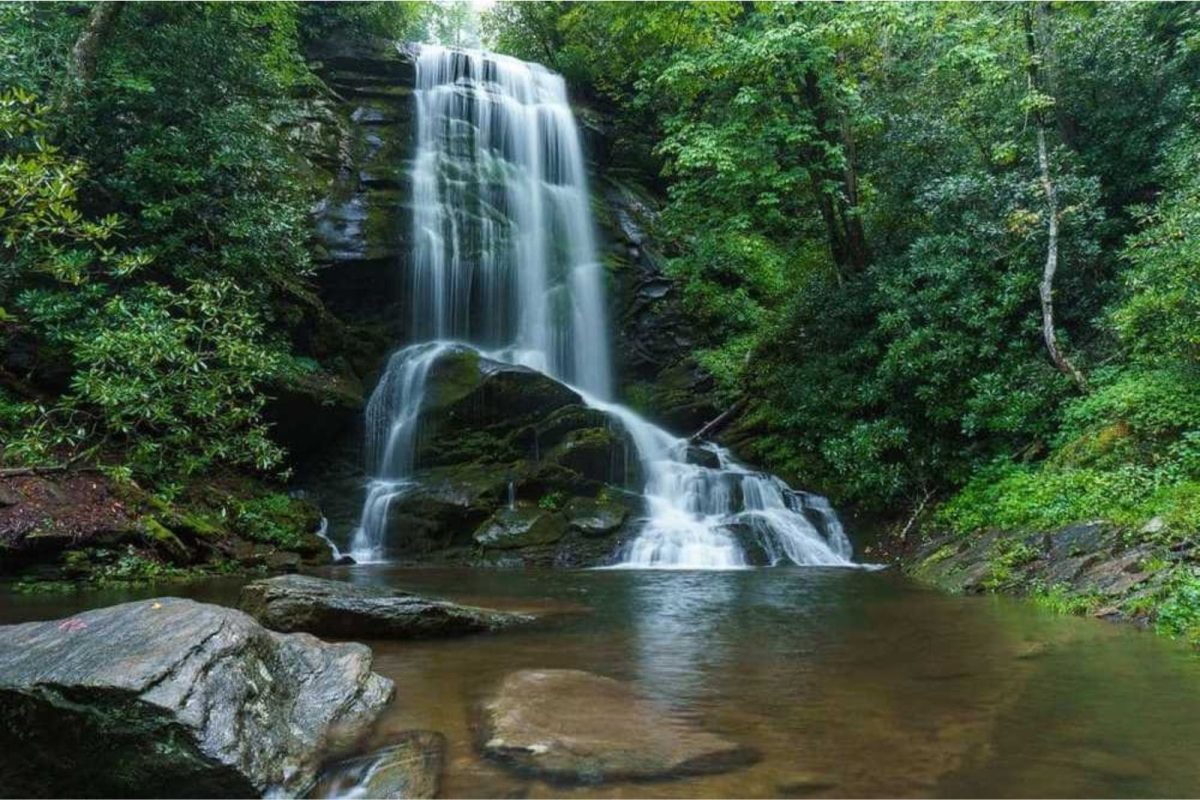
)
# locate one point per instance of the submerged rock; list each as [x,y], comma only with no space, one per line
[170,697]
[576,727]
[411,768]
[334,608]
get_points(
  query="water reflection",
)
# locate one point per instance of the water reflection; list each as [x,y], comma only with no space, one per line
[849,683]
[678,617]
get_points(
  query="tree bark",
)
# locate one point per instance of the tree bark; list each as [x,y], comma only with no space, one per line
[720,421]
[1046,289]
[85,55]
[847,241]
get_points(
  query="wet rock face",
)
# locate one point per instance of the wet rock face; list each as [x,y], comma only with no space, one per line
[1096,562]
[596,516]
[366,139]
[170,697]
[510,462]
[292,603]
[521,526]
[570,726]
[654,336]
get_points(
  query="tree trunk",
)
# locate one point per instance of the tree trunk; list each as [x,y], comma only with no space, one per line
[847,242]
[85,55]
[856,239]
[720,421]
[1046,290]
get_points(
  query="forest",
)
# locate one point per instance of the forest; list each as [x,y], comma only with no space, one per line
[781,399]
[941,258]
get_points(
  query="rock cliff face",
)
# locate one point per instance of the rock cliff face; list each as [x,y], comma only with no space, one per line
[362,221]
[1097,568]
[654,339]
[359,140]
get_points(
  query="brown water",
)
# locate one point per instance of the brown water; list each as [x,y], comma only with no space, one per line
[849,683]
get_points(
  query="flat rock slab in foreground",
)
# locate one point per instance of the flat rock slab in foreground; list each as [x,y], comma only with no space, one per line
[335,608]
[170,697]
[575,727]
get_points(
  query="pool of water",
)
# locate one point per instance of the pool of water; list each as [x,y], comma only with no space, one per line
[849,683]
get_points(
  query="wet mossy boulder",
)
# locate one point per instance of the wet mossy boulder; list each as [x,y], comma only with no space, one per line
[521,526]
[598,454]
[499,451]
[170,698]
[490,403]
[595,516]
[442,506]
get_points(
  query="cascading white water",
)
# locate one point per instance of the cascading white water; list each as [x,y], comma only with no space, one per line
[505,253]
[703,517]
[392,416]
[504,258]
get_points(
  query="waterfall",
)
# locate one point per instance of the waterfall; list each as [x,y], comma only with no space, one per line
[704,516]
[392,416]
[505,259]
[505,253]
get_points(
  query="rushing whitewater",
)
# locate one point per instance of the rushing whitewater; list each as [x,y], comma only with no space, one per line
[505,253]
[505,260]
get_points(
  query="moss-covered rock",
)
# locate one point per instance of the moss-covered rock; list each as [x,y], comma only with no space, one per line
[597,454]
[521,526]
[1090,567]
[165,542]
[493,435]
[595,516]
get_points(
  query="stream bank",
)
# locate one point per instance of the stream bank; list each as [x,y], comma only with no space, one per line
[1144,576]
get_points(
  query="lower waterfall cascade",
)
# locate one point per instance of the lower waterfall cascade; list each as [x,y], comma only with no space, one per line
[505,261]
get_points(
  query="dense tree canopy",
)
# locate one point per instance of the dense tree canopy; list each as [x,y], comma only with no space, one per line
[926,246]
[860,199]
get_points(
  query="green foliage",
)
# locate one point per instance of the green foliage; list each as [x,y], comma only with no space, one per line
[174,374]
[274,519]
[133,567]
[1061,600]
[1159,315]
[401,21]
[552,501]
[1178,612]
[42,229]
[1007,555]
[1130,450]
[153,239]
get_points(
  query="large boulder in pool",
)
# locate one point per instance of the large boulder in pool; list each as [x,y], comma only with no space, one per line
[170,697]
[342,610]
[491,437]
[569,726]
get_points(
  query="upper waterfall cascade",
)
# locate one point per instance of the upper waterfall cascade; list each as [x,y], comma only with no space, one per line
[505,259]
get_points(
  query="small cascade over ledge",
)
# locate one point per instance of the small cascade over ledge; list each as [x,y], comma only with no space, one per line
[505,263]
